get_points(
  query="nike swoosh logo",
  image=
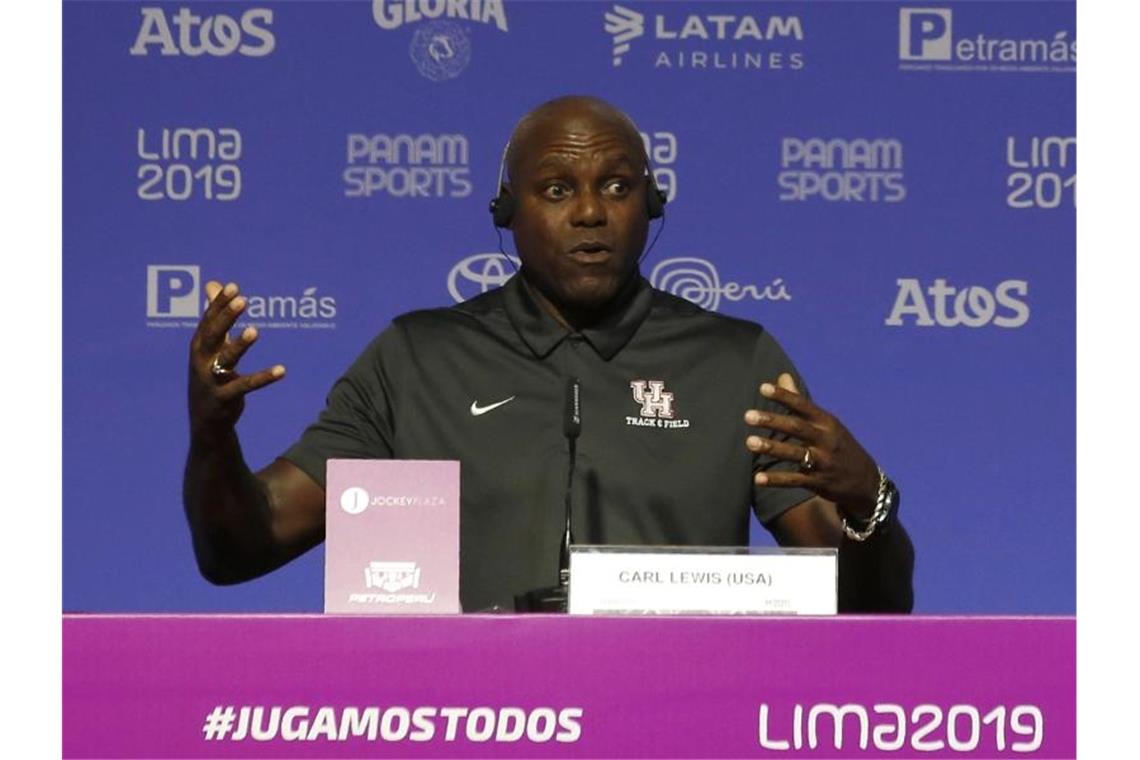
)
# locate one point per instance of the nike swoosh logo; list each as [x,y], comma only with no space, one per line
[477,410]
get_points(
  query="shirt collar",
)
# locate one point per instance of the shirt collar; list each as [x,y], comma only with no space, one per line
[542,333]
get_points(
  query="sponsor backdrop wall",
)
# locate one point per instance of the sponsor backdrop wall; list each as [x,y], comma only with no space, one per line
[890,188]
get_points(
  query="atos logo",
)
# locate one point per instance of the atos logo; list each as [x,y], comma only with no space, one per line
[971,306]
[217,35]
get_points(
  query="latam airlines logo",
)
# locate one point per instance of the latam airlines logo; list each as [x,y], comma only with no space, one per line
[928,42]
[972,306]
[219,35]
[713,41]
[441,47]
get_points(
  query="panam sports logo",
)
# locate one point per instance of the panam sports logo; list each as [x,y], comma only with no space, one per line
[705,41]
[860,170]
[407,166]
[440,47]
[929,40]
[175,299]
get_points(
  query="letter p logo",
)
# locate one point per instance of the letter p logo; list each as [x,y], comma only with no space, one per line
[172,291]
[925,34]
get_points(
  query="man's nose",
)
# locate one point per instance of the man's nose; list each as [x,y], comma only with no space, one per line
[589,210]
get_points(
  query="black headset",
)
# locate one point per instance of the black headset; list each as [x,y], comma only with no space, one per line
[503,205]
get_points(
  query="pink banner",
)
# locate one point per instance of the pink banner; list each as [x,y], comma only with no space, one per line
[558,686]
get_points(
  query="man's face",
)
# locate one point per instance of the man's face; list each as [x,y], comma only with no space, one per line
[580,221]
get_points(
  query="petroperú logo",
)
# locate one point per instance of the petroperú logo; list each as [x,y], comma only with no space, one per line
[711,41]
[656,406]
[219,35]
[928,42]
[972,306]
[407,166]
[441,47]
[174,298]
[860,170]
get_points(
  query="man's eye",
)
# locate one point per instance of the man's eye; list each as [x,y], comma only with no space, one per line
[555,192]
[617,187]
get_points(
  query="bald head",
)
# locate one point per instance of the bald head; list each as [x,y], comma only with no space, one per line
[570,111]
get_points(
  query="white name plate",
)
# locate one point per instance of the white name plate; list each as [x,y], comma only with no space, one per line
[672,580]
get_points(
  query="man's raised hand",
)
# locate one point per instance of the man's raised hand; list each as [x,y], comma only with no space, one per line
[217,391]
[832,463]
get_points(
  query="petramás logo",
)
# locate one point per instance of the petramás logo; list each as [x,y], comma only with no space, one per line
[972,306]
[929,41]
[407,166]
[175,298]
[219,35]
[440,47]
[711,42]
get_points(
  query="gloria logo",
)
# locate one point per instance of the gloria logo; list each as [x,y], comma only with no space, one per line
[218,35]
[697,280]
[180,163]
[407,166]
[713,41]
[480,273]
[440,48]
[927,42]
[174,299]
[1043,171]
[392,576]
[971,306]
[858,170]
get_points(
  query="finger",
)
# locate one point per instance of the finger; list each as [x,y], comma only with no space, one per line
[216,326]
[232,351]
[789,452]
[791,400]
[787,382]
[244,384]
[797,427]
[213,287]
[780,479]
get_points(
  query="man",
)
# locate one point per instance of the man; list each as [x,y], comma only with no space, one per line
[675,441]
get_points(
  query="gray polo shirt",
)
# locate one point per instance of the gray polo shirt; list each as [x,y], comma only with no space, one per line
[661,457]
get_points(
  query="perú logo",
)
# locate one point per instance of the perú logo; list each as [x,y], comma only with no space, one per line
[217,35]
[655,402]
[480,273]
[625,25]
[392,576]
[972,306]
[698,281]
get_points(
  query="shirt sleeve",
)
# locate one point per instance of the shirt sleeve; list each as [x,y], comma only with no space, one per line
[357,421]
[769,362]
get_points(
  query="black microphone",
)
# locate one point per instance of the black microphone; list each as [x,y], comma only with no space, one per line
[571,428]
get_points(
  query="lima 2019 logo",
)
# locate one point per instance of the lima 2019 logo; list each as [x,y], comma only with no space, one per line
[441,47]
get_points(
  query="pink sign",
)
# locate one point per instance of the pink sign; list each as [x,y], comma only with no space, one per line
[392,537]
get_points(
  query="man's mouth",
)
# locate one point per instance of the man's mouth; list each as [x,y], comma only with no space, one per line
[591,251]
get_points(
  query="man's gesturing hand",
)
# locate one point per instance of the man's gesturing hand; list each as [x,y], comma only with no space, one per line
[217,391]
[835,466]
